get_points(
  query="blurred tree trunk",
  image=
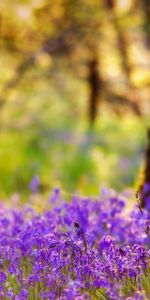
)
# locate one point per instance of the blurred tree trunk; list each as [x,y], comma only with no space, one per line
[132,95]
[122,43]
[144,188]
[146,6]
[95,86]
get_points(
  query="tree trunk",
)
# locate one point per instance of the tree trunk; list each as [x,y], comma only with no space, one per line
[145,186]
[132,95]
[95,86]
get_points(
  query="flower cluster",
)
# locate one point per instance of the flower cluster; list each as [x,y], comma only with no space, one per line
[82,249]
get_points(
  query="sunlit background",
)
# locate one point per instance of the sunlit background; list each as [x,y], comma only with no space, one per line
[74,93]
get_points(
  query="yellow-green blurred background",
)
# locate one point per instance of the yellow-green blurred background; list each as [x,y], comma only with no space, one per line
[74,93]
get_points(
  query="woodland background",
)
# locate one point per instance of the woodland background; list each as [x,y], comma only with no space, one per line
[74,93]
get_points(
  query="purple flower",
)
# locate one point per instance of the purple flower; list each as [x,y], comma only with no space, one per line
[3,277]
[45,253]
[106,243]
[55,196]
[24,293]
[34,185]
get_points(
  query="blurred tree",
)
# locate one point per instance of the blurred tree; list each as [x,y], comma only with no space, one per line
[95,84]
[131,99]
[63,28]
[70,30]
[144,188]
[146,7]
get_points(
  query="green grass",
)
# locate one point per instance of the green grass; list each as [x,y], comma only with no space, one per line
[128,287]
[110,154]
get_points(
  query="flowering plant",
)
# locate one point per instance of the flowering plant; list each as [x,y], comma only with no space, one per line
[82,249]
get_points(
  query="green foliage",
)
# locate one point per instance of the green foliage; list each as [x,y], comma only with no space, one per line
[129,286]
[99,294]
[73,159]
[13,283]
[145,281]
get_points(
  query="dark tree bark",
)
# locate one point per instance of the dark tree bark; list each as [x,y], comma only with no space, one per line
[95,84]
[145,186]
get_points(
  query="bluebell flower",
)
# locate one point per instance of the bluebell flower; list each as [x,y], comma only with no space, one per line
[34,185]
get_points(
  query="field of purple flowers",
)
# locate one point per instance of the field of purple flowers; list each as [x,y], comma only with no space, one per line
[78,249]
